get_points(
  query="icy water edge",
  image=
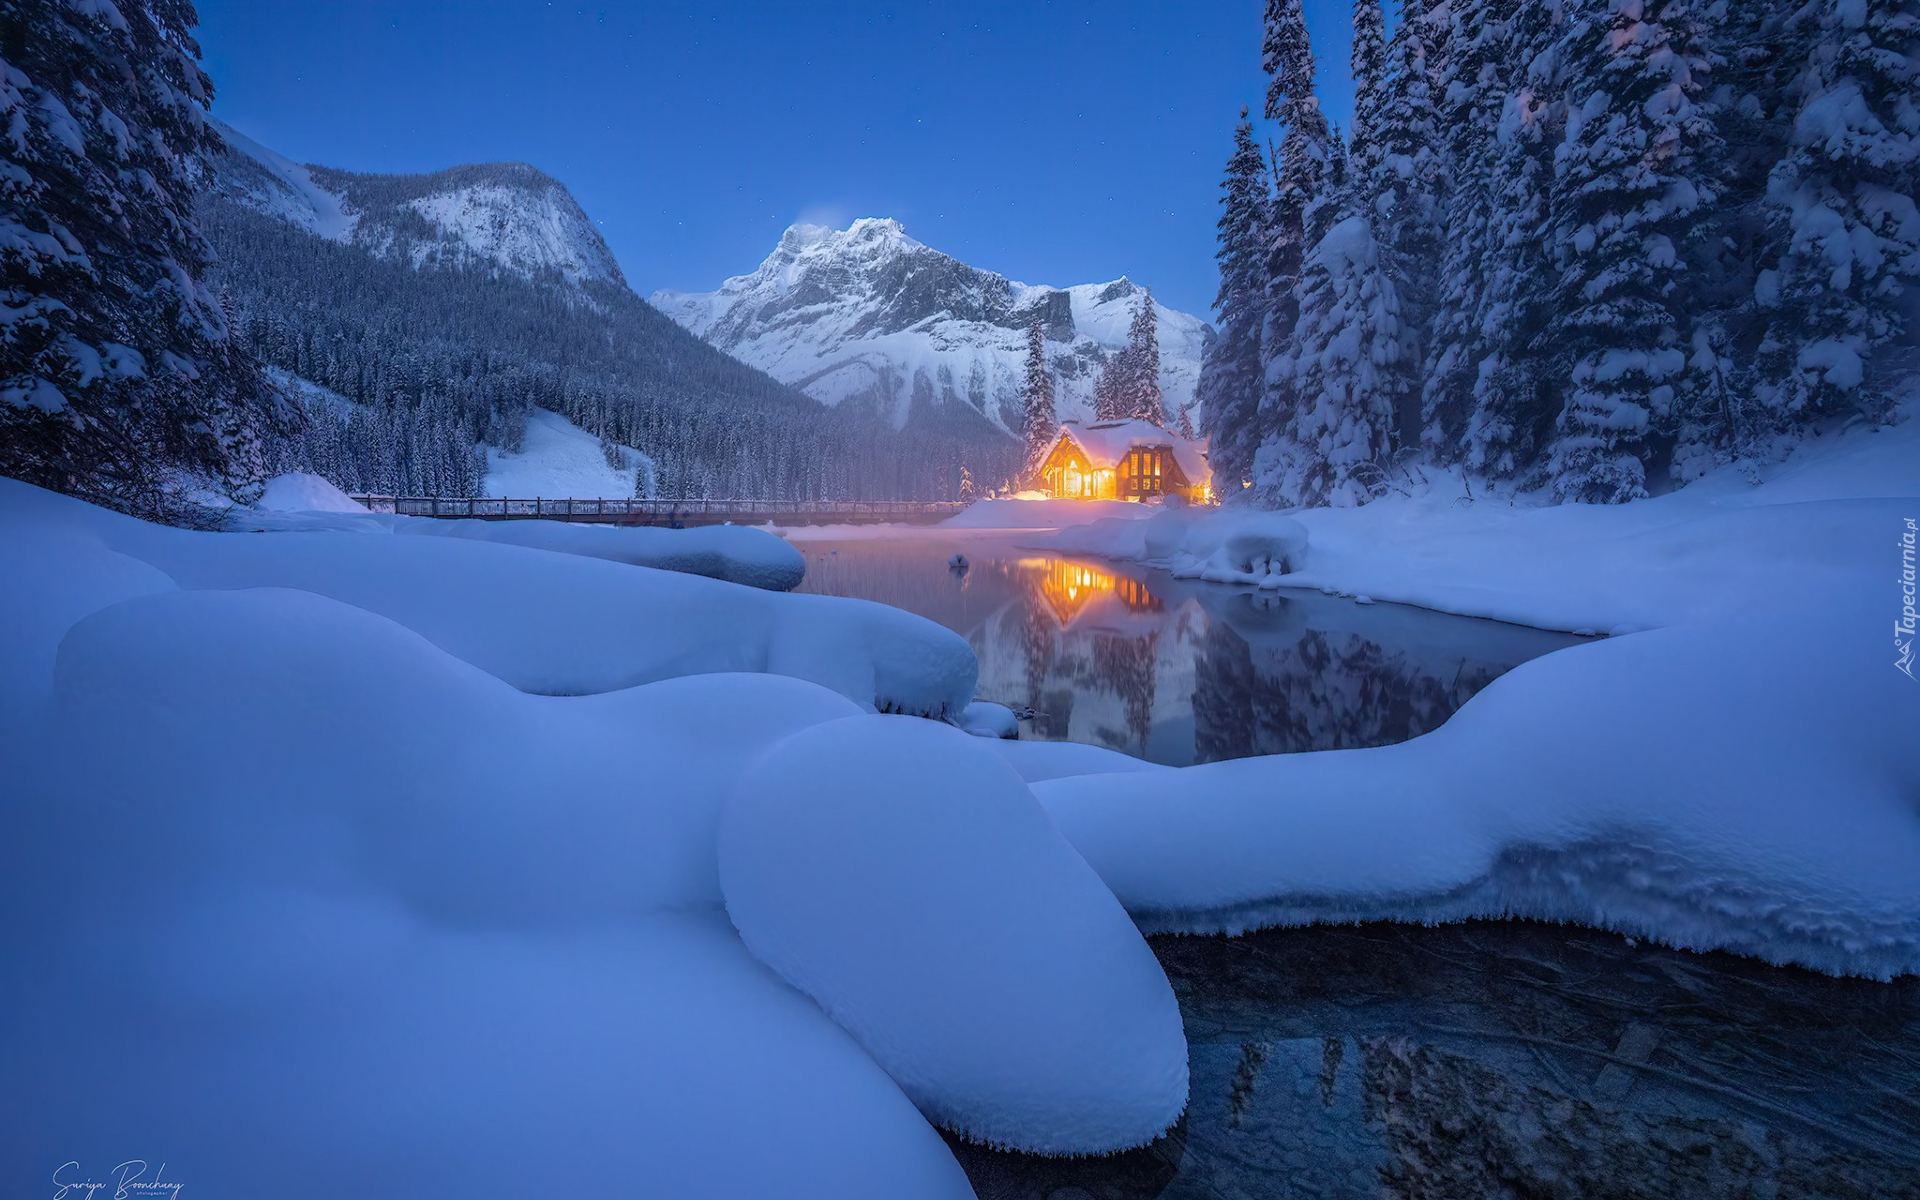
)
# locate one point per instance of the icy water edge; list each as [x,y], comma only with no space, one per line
[1491,1059]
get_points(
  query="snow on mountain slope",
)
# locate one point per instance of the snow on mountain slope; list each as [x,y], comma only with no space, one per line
[523,225]
[867,314]
[559,459]
[503,215]
[276,186]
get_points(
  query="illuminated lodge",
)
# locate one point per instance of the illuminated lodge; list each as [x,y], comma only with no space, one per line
[1124,460]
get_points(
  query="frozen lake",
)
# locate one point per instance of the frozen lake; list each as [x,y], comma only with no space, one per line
[1181,672]
[1482,1060]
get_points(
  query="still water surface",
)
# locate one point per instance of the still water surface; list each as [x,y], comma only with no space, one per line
[1181,672]
[1508,1060]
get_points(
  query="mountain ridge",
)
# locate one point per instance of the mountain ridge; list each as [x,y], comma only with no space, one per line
[508,216]
[869,315]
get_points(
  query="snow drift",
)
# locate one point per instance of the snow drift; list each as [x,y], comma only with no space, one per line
[301,491]
[1744,786]
[553,624]
[930,907]
[370,912]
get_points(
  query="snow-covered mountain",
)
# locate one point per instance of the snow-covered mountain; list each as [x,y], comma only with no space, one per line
[483,339]
[868,314]
[504,215]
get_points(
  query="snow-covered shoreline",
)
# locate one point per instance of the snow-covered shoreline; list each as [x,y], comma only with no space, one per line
[1718,548]
[430,837]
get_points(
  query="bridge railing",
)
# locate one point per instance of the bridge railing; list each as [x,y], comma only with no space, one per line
[619,510]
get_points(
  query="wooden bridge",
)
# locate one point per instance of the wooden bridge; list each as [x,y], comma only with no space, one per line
[673,514]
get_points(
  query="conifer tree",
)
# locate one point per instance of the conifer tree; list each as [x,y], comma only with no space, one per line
[1231,377]
[1634,172]
[1346,357]
[118,368]
[1366,150]
[1110,391]
[1402,196]
[1471,90]
[1143,364]
[1039,420]
[1299,186]
[1844,202]
[1514,392]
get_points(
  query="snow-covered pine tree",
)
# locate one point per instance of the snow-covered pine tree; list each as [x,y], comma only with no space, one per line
[1111,395]
[1038,419]
[1515,393]
[1366,152]
[1400,190]
[1634,172]
[1299,185]
[1347,354]
[120,378]
[1143,364]
[1844,198]
[1343,364]
[1471,35]
[1231,377]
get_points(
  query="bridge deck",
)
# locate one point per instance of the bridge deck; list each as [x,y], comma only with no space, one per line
[669,513]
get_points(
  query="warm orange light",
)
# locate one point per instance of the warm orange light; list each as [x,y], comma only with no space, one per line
[1068,586]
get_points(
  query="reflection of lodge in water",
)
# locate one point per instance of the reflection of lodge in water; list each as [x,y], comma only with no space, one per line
[1068,586]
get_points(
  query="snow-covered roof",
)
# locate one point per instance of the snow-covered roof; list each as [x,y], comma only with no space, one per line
[1105,443]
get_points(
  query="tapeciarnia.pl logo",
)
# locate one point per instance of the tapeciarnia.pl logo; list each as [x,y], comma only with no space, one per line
[1903,628]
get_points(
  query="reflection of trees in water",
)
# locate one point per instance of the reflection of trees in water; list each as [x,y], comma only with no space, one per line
[1325,691]
[1126,666]
[1037,632]
[1223,682]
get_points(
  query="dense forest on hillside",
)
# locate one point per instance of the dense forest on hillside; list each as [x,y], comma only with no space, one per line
[440,359]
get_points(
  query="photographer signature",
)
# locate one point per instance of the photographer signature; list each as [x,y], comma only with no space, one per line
[129,1183]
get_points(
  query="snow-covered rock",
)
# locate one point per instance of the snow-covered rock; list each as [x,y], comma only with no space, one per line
[304,492]
[902,875]
[867,314]
[984,718]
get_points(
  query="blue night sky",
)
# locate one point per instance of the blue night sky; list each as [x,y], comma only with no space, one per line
[1055,142]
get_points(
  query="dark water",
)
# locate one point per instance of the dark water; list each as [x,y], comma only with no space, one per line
[1509,1060]
[1181,672]
[1512,1060]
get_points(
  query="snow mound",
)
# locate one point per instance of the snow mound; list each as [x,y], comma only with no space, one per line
[552,624]
[736,553]
[984,718]
[901,874]
[302,492]
[1196,543]
[741,554]
[1042,514]
[366,896]
[1747,785]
